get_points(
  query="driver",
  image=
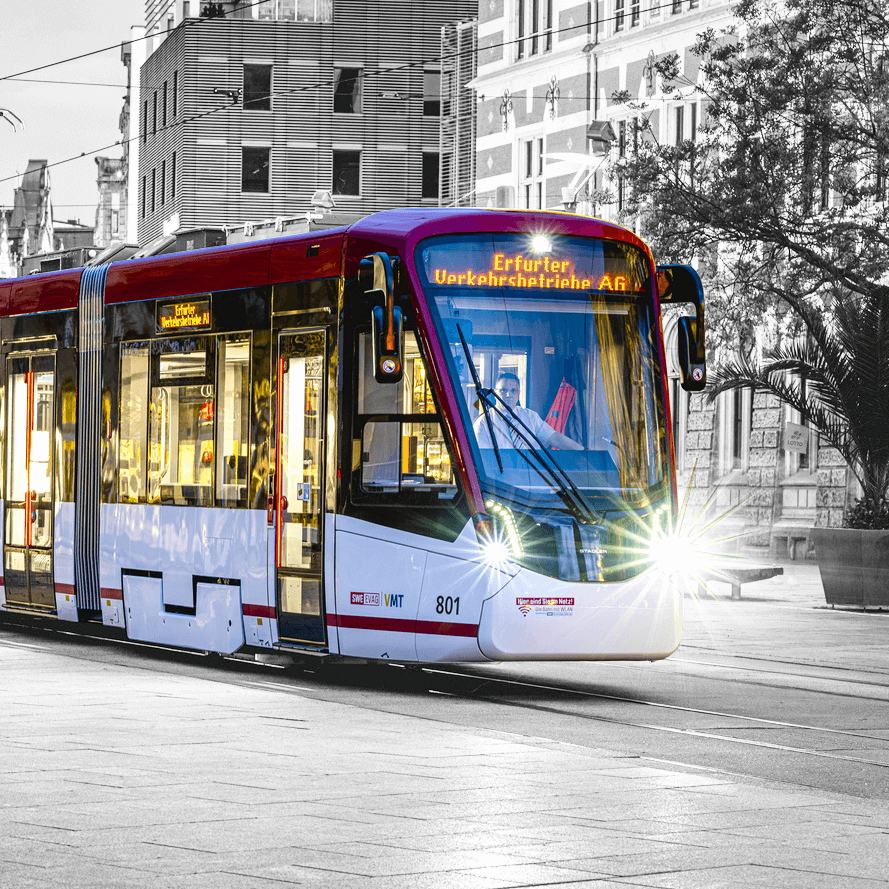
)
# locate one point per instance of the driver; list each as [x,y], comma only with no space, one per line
[509,389]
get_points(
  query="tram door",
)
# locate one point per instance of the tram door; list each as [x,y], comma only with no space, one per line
[298,498]
[28,528]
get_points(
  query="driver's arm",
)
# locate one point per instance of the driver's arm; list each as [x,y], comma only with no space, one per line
[557,440]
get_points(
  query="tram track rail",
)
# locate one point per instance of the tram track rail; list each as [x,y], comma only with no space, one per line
[314,679]
[752,720]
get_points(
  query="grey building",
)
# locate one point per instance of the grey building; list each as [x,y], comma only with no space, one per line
[247,110]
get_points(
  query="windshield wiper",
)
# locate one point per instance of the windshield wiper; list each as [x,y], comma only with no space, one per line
[572,495]
[483,397]
[554,473]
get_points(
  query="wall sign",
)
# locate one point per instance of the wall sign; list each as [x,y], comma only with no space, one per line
[796,438]
[185,315]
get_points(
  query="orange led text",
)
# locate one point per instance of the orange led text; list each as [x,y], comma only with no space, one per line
[523,271]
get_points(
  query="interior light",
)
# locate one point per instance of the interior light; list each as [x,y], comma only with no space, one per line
[541,244]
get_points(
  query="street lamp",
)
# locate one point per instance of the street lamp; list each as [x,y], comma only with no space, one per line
[600,135]
[11,118]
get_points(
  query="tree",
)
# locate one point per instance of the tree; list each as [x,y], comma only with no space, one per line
[783,200]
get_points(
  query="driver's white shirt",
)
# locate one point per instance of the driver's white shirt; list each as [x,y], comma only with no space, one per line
[505,436]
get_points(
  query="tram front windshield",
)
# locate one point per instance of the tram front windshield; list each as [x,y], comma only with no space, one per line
[551,342]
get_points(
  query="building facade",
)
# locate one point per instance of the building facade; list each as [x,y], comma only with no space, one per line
[246,115]
[459,52]
[111,214]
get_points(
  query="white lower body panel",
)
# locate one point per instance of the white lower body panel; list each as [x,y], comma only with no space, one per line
[193,550]
[400,596]
[540,618]
[216,624]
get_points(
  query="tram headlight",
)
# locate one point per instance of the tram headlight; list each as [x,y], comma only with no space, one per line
[672,553]
[496,552]
[498,535]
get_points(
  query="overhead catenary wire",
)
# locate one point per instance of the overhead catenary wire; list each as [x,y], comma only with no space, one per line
[116,46]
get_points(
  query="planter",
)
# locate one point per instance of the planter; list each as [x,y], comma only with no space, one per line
[854,566]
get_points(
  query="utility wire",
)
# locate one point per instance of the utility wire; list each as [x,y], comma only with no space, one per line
[314,86]
[189,22]
[192,22]
[117,86]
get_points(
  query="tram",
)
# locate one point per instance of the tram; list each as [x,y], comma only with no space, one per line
[431,436]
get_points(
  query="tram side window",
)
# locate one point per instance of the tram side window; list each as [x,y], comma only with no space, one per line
[233,422]
[183,441]
[180,433]
[402,447]
[133,422]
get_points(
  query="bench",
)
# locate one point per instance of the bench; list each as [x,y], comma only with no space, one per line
[737,575]
[793,535]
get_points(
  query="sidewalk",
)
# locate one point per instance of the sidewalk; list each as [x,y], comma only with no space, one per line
[116,776]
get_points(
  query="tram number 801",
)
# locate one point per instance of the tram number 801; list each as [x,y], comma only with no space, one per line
[447,605]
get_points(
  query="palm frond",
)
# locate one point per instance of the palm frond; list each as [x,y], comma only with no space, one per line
[836,377]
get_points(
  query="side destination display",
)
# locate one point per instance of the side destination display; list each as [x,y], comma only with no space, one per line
[185,315]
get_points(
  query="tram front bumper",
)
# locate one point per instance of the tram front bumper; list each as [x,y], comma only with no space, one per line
[541,618]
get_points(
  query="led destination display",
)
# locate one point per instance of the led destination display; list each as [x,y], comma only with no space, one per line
[571,265]
[185,315]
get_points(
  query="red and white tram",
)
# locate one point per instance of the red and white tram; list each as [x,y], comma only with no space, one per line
[430,436]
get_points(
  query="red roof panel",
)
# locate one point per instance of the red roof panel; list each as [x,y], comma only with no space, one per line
[182,274]
[52,292]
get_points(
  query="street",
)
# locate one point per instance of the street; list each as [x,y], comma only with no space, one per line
[757,754]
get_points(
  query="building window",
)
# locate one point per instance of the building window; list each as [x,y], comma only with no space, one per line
[257,88]
[635,13]
[347,90]
[163,182]
[154,115]
[145,121]
[881,176]
[533,184]
[347,172]
[677,7]
[693,4]
[153,190]
[618,15]
[255,169]
[736,424]
[173,176]
[796,460]
[290,10]
[432,92]
[534,19]
[654,9]
[680,124]
[175,92]
[144,197]
[430,174]
[314,10]
[186,9]
[164,106]
[621,153]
